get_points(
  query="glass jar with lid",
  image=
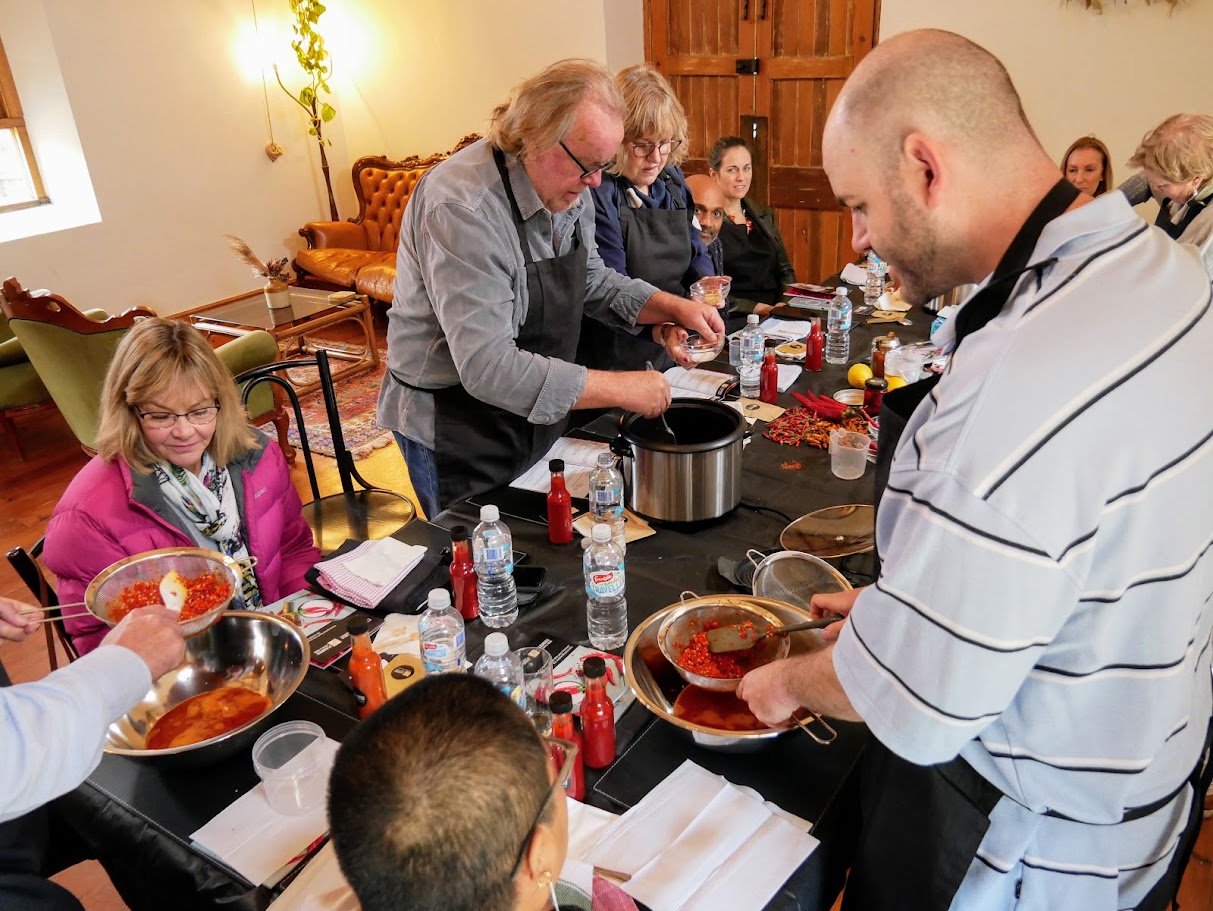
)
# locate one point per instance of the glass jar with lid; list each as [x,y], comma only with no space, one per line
[881,346]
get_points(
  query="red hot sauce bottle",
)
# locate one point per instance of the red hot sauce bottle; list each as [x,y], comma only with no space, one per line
[561,705]
[769,378]
[366,669]
[560,506]
[463,574]
[597,716]
[814,346]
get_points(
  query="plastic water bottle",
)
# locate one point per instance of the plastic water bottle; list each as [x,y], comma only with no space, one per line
[441,632]
[750,368]
[606,609]
[838,326]
[501,667]
[606,497]
[874,286]
[493,551]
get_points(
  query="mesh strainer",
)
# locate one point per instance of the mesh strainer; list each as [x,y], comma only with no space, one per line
[793,577]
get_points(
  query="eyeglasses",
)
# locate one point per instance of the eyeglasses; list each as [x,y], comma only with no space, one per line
[645,149]
[162,420]
[569,750]
[585,172]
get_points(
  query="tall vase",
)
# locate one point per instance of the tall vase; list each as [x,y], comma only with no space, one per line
[277,298]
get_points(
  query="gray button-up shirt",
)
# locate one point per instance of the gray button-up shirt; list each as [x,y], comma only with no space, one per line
[460,296]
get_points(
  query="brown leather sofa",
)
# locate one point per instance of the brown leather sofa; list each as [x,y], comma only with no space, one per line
[360,254]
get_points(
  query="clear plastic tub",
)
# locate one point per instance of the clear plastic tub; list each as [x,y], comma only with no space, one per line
[293,763]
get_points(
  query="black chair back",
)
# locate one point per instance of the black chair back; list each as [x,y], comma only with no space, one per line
[26,565]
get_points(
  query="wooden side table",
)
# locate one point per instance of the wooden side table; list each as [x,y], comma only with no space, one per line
[294,327]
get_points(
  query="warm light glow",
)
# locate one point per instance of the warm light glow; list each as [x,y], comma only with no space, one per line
[352,41]
[263,44]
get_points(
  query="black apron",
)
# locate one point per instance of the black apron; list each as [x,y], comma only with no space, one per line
[657,248]
[1177,229]
[922,825]
[751,259]
[478,446]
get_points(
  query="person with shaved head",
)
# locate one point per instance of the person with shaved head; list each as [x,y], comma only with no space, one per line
[1033,660]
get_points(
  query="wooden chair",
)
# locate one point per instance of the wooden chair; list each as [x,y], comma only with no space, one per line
[21,391]
[366,514]
[71,352]
[25,562]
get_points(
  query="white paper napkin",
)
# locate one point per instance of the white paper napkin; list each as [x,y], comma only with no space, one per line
[586,824]
[383,560]
[398,635]
[854,275]
[254,840]
[318,887]
[787,376]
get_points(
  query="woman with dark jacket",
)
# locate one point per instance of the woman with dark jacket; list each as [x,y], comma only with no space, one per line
[644,218]
[754,254]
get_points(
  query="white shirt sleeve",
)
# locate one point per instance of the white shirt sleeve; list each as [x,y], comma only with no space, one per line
[52,730]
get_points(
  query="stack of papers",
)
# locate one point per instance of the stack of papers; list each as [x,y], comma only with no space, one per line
[580,458]
[697,843]
[790,330]
[696,383]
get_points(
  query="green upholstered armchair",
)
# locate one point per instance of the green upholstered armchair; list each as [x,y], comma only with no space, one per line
[71,352]
[20,388]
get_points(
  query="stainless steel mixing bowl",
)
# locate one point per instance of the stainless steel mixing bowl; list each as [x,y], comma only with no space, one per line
[681,624]
[101,596]
[262,652]
[656,682]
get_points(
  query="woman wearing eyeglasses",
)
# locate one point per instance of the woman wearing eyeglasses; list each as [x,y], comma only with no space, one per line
[177,465]
[644,217]
[754,252]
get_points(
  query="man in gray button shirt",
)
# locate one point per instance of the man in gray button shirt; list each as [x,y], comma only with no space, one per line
[496,265]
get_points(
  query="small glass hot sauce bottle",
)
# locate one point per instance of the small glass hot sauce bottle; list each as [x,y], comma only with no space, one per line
[463,574]
[769,378]
[873,394]
[814,346]
[561,705]
[560,506]
[366,670]
[597,715]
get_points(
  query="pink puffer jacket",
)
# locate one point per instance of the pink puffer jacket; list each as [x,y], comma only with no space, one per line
[108,513]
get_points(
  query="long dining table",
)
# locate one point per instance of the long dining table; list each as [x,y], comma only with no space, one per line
[137,816]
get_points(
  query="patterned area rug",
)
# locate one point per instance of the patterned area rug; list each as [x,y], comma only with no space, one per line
[356,397]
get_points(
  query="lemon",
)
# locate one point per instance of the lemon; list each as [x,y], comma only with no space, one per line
[858,375]
[895,382]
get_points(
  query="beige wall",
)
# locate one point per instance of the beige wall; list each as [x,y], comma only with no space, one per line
[1114,75]
[168,105]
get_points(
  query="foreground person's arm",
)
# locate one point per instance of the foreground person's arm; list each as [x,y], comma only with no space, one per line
[52,730]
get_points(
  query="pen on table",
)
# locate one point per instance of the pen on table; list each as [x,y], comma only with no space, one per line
[301,860]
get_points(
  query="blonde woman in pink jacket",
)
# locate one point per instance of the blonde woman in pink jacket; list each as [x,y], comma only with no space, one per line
[177,465]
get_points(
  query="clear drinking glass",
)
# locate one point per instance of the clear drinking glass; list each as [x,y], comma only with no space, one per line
[537,685]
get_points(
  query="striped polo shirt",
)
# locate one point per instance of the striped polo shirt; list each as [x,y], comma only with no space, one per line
[1044,605]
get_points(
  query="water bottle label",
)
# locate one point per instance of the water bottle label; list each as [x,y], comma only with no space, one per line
[607,583]
[501,554]
[441,651]
[513,693]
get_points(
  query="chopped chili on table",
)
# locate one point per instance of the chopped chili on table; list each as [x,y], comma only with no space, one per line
[812,423]
[206,591]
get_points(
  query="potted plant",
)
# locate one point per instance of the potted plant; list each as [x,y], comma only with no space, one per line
[274,271]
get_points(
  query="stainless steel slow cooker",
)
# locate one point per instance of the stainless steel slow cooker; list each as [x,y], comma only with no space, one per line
[695,478]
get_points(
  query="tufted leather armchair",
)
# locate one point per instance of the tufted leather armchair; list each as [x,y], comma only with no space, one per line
[360,254]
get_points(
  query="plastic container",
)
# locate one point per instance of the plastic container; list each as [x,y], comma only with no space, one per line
[838,326]
[606,497]
[440,630]
[606,608]
[501,667]
[749,357]
[712,290]
[699,350]
[848,454]
[493,551]
[293,763]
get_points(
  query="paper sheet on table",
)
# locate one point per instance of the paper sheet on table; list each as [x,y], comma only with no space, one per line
[254,840]
[788,329]
[787,376]
[580,458]
[398,635]
[854,275]
[383,560]
[634,527]
[693,827]
[695,383]
[321,887]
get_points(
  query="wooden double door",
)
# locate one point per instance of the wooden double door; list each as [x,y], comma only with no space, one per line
[768,71]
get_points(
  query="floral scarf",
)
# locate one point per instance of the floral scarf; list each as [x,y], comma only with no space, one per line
[208,500]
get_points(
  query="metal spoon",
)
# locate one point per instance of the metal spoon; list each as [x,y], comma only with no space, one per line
[730,639]
[669,434]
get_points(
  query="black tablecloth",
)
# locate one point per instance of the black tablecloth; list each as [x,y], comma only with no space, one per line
[138,816]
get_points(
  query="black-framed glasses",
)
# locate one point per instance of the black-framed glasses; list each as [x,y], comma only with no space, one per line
[162,420]
[585,172]
[644,148]
[569,750]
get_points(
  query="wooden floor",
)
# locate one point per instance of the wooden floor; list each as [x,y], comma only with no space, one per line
[28,493]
